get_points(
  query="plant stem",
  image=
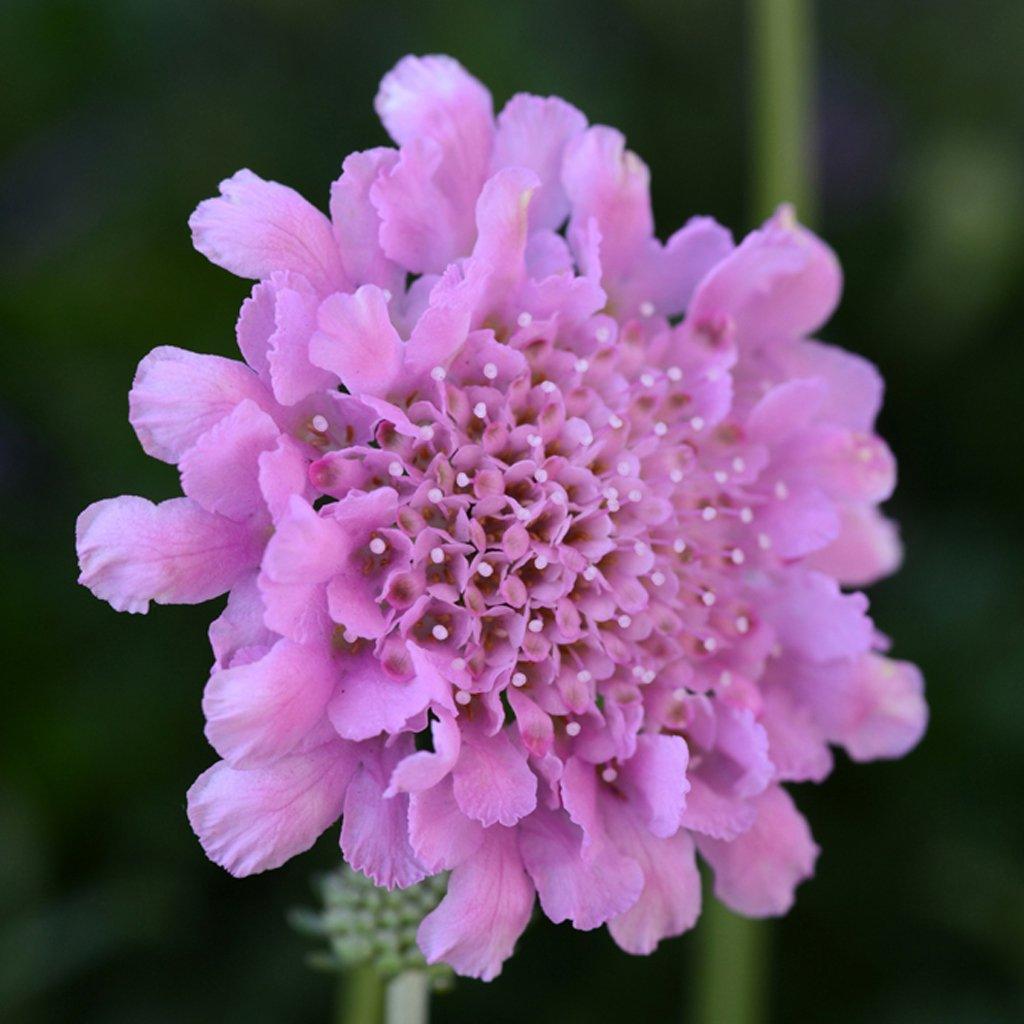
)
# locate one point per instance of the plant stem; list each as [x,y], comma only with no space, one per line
[408,999]
[782,52]
[733,963]
[360,996]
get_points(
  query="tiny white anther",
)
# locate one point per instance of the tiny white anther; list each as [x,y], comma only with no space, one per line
[697,423]
[590,573]
[320,424]
[764,542]
[540,476]
[613,506]
[518,678]
[462,480]
[660,428]
[534,440]
[658,578]
[708,598]
[584,675]
[738,465]
[781,491]
[638,671]
[647,379]
[720,476]
[615,422]
[540,562]
[725,679]
[547,386]
[746,515]
[679,693]
[557,498]
[674,373]
[602,334]
[640,548]
[582,365]
[524,319]
[710,644]
[624,621]
[427,433]
[523,514]
[623,468]
[675,475]
[611,493]
[536,625]
[573,728]
[480,410]
[458,664]
[395,469]
[378,546]
[679,545]
[609,774]
[737,557]
[485,569]
[438,373]
[709,513]
[463,697]
[435,494]
[349,636]
[634,495]
[647,309]
[490,371]
[742,624]
[439,632]
[437,556]
[649,676]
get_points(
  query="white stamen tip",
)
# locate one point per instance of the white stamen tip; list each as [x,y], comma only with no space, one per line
[541,476]
[540,562]
[697,423]
[647,309]
[647,379]
[573,729]
[742,624]
[458,664]
[548,386]
[602,334]
[660,429]
[624,621]
[490,371]
[658,578]
[710,644]
[536,625]
[725,679]
[462,480]
[590,573]
[582,365]
[737,556]
[679,545]
[463,697]
[649,675]
[349,636]
[427,433]
[524,319]
[378,546]
[634,495]
[480,410]
[395,469]
[623,468]
[674,373]
[709,513]
[746,515]
[721,476]
[781,491]
[640,548]
[438,373]
[518,678]
[738,465]
[708,598]
[320,424]
[675,475]
[435,494]
[485,569]
[615,422]
[764,542]
[679,693]
[584,675]
[439,632]
[437,556]
[609,774]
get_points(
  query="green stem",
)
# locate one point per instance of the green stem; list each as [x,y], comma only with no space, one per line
[360,996]
[782,51]
[733,964]
[408,999]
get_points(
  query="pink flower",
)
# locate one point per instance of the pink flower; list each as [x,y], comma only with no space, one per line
[534,540]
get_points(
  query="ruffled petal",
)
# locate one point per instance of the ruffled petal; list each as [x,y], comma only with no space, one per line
[252,821]
[132,552]
[492,780]
[256,227]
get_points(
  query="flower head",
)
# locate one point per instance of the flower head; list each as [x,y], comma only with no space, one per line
[535,539]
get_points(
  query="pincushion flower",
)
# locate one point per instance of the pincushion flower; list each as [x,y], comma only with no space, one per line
[537,532]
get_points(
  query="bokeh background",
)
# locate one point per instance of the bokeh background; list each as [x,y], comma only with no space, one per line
[117,116]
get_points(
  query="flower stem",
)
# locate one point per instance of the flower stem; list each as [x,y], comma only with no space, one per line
[360,996]
[408,999]
[782,56]
[732,968]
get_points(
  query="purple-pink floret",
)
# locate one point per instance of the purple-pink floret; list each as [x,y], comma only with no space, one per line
[535,531]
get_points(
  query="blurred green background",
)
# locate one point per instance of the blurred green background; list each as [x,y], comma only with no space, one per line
[117,116]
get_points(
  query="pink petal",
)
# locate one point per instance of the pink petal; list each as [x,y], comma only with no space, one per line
[178,395]
[306,547]
[487,906]
[426,768]
[669,903]
[586,888]
[356,222]
[282,474]
[240,625]
[867,548]
[220,471]
[256,227]
[356,340]
[292,375]
[492,780]
[798,747]
[251,821]
[533,133]
[374,829]
[440,833]
[259,712]
[255,326]
[654,780]
[757,872]
[132,552]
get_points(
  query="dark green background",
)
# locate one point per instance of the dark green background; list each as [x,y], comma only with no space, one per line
[119,115]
